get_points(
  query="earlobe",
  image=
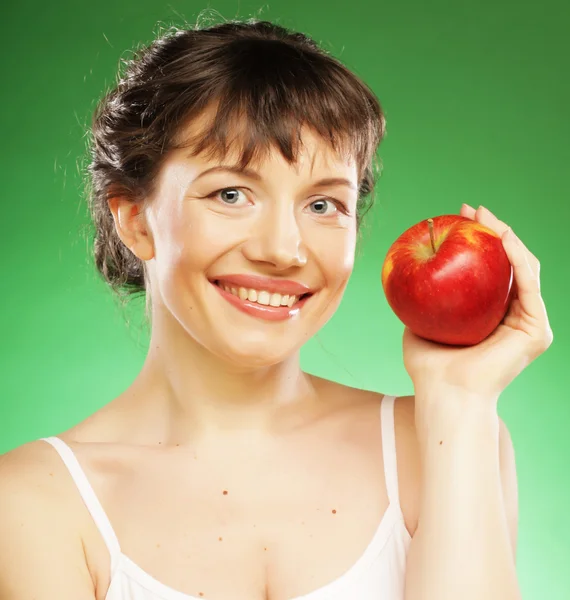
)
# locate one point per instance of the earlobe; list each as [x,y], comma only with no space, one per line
[132,227]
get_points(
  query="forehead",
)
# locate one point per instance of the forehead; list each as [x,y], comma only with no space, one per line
[314,154]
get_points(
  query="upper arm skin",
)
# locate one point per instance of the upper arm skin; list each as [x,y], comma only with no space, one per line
[41,553]
[409,469]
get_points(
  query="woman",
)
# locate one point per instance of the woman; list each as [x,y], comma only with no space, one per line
[224,471]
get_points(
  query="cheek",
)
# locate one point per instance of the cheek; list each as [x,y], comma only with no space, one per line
[194,239]
[337,261]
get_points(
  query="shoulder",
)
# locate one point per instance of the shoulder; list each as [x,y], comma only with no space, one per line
[33,479]
[38,527]
[407,447]
[30,468]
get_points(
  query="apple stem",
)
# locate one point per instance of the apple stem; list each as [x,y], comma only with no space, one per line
[431,236]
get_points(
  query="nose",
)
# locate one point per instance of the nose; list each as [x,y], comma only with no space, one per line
[276,239]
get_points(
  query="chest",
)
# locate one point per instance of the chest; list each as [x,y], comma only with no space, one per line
[242,524]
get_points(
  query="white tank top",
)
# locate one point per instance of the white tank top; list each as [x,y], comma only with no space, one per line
[378,574]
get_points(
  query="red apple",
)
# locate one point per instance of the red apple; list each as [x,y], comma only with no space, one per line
[449,280]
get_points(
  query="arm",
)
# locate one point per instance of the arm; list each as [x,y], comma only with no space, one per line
[41,554]
[464,545]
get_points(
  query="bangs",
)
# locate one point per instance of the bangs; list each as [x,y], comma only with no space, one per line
[270,93]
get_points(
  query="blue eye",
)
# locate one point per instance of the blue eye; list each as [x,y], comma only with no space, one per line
[320,206]
[231,199]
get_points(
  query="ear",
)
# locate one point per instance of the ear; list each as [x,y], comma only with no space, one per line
[132,227]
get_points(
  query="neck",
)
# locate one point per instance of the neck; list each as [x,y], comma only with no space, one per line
[185,393]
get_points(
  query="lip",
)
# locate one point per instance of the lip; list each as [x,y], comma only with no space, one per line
[267,313]
[277,286]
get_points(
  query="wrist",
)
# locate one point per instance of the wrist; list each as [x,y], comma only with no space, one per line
[445,398]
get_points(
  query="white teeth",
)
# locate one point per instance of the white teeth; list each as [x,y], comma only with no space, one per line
[261,296]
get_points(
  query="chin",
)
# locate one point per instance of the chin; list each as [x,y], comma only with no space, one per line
[250,339]
[257,353]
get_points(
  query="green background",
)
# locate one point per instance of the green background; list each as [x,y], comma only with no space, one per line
[477,99]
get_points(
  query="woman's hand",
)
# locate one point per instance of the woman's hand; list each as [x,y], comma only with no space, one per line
[487,368]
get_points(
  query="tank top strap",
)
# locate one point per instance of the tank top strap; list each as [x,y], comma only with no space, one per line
[389,448]
[89,497]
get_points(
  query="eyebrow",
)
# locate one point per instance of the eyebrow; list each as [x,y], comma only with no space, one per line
[251,174]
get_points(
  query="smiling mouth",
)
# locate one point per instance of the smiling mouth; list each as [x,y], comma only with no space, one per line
[262,297]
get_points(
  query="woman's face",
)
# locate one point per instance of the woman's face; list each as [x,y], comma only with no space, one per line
[280,228]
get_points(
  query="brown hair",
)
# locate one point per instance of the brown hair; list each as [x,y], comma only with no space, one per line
[256,73]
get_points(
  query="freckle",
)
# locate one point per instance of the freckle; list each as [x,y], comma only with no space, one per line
[334,511]
[302,522]
[201,594]
[159,443]
[51,474]
[440,442]
[225,492]
[178,444]
[265,548]
[158,545]
[219,539]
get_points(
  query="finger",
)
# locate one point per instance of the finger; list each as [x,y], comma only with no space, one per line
[486,217]
[527,276]
[467,211]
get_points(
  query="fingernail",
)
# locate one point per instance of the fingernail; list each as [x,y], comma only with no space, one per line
[468,206]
